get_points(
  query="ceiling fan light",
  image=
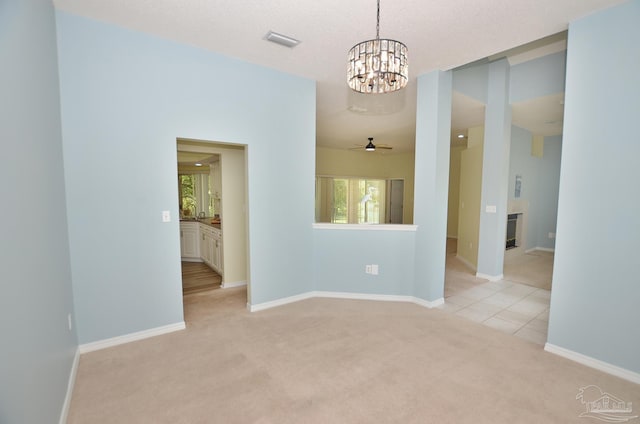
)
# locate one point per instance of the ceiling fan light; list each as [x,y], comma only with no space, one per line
[370,147]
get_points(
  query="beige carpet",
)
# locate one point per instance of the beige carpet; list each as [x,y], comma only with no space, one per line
[331,361]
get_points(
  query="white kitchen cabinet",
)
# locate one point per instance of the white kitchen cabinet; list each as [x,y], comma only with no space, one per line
[206,244]
[189,246]
[217,251]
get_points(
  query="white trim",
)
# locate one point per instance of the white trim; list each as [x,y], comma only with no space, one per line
[490,277]
[345,295]
[427,303]
[70,385]
[593,363]
[278,302]
[371,227]
[466,262]
[543,249]
[184,259]
[452,237]
[131,337]
[233,284]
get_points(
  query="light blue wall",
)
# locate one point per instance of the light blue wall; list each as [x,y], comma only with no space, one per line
[341,255]
[495,171]
[538,77]
[433,135]
[540,181]
[596,294]
[126,96]
[35,291]
[472,81]
[547,199]
[522,163]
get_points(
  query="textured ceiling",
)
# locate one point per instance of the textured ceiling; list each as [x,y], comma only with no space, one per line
[440,34]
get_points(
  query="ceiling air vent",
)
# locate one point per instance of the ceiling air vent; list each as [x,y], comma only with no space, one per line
[283,40]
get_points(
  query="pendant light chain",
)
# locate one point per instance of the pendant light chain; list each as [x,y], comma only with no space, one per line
[378,22]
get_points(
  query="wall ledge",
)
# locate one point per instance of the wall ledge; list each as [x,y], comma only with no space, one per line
[369,227]
[588,361]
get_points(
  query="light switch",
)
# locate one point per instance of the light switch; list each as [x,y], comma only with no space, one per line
[166,216]
[490,209]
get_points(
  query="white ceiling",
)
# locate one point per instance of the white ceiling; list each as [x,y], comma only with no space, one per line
[440,34]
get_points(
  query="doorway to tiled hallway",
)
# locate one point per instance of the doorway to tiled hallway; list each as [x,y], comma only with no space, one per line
[518,304]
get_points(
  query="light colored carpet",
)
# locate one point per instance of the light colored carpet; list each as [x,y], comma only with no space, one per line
[331,361]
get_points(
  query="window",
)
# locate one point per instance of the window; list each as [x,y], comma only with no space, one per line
[350,200]
[194,196]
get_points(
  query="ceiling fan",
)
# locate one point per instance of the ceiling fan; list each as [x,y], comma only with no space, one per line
[372,147]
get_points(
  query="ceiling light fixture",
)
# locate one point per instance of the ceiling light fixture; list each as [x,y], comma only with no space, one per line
[198,164]
[378,66]
[460,135]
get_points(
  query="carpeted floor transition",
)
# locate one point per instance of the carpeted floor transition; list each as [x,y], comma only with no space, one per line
[331,361]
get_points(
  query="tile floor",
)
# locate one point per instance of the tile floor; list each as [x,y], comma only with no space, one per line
[516,305]
[507,306]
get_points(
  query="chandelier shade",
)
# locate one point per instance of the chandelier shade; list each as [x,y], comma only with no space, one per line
[379,65]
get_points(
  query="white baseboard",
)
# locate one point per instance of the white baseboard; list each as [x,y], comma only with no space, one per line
[542,249]
[466,262]
[346,295]
[191,260]
[226,285]
[490,277]
[623,373]
[70,384]
[132,337]
[278,302]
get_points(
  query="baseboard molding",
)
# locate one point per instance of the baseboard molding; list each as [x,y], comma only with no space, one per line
[70,385]
[346,295]
[226,285]
[380,297]
[542,249]
[132,337]
[278,302]
[466,262]
[623,373]
[490,277]
[191,260]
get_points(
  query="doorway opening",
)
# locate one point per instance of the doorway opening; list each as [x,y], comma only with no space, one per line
[212,187]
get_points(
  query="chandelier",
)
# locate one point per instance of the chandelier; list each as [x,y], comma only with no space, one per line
[378,66]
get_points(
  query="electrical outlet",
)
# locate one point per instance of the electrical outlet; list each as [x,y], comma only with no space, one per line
[166,216]
[69,321]
[374,269]
[367,269]
[552,235]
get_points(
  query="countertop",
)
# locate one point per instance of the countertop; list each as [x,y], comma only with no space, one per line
[206,221]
